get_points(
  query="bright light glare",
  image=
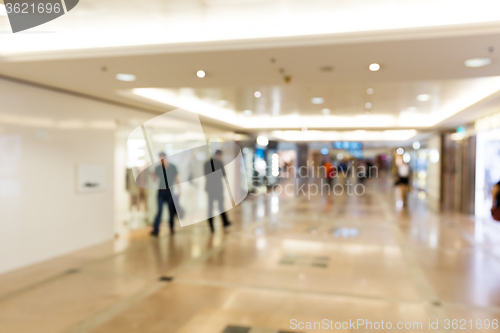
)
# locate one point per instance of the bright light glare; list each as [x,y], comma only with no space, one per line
[400,151]
[325,112]
[434,156]
[126,77]
[457,136]
[199,25]
[257,94]
[317,100]
[374,67]
[262,140]
[471,93]
[416,145]
[423,97]
[406,157]
[260,165]
[368,106]
[3,11]
[369,91]
[359,135]
[247,113]
[200,74]
[477,62]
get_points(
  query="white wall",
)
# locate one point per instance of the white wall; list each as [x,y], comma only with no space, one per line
[43,136]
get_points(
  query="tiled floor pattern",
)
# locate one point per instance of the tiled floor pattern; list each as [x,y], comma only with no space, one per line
[339,258]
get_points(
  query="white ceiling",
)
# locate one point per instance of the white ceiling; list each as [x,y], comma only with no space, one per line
[421,46]
[95,24]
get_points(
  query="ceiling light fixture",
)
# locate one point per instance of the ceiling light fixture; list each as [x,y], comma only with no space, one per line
[423,97]
[477,62]
[314,135]
[412,109]
[200,74]
[3,10]
[369,91]
[262,141]
[325,112]
[257,94]
[374,67]
[126,77]
[368,106]
[317,100]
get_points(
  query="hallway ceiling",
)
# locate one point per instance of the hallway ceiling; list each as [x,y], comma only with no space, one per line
[95,24]
[416,57]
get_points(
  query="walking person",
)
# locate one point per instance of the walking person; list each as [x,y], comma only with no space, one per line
[403,182]
[215,189]
[330,172]
[164,173]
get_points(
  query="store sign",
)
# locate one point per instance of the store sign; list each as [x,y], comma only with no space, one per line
[347,145]
[487,123]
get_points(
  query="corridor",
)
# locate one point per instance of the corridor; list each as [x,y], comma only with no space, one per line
[287,262]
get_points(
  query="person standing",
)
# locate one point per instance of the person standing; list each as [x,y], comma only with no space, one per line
[495,206]
[330,172]
[164,173]
[215,188]
[403,180]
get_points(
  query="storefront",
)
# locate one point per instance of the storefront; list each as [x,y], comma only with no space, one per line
[487,162]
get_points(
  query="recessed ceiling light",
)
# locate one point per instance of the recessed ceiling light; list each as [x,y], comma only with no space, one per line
[257,94]
[317,100]
[374,67]
[325,111]
[369,91]
[400,151]
[477,62]
[247,113]
[126,77]
[423,97]
[200,74]
[262,140]
[368,106]
[3,10]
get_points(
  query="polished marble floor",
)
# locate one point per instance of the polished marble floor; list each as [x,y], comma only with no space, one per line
[285,258]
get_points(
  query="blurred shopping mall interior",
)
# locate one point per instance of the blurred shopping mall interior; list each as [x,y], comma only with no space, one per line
[343,150]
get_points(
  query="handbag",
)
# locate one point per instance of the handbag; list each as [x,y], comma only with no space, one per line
[495,213]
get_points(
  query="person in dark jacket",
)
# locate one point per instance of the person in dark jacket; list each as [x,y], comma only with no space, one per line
[215,188]
[165,173]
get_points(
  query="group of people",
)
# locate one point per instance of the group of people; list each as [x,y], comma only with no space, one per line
[345,168]
[166,174]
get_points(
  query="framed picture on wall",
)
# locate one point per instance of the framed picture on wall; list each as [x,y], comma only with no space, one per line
[90,178]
